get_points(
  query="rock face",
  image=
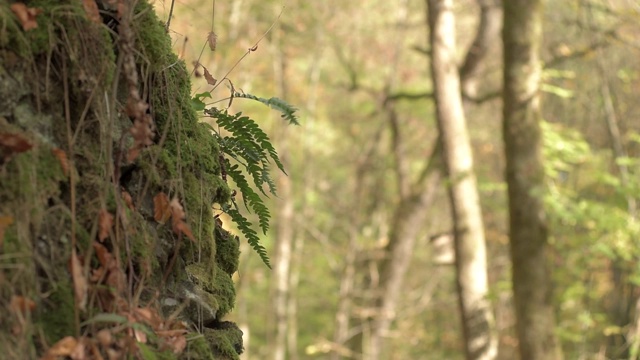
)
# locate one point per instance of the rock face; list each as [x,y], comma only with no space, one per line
[91,259]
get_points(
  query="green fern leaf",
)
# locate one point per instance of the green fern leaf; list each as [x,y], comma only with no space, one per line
[252,237]
[288,111]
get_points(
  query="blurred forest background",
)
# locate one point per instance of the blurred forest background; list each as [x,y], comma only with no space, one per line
[363,195]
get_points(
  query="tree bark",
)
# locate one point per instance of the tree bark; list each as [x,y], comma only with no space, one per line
[471,268]
[522,36]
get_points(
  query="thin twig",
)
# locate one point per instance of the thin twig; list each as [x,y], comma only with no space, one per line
[166,27]
[251,49]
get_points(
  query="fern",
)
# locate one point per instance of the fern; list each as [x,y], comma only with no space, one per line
[252,152]
[252,236]
[288,111]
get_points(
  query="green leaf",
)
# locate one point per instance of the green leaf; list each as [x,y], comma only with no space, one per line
[106,318]
[288,111]
[252,237]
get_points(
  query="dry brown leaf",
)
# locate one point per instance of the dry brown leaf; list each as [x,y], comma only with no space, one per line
[21,304]
[104,256]
[116,280]
[182,227]
[143,134]
[140,336]
[64,347]
[80,286]
[105,338]
[113,354]
[128,200]
[177,344]
[5,222]
[62,158]
[170,333]
[91,8]
[212,39]
[161,209]
[210,79]
[14,143]
[26,15]
[147,316]
[105,223]
[80,351]
[177,220]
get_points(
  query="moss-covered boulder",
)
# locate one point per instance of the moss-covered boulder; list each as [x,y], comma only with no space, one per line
[91,256]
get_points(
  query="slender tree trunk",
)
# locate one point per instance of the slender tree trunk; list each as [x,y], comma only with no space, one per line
[406,224]
[522,36]
[471,267]
[284,228]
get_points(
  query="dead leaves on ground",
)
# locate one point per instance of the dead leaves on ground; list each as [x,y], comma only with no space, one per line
[26,15]
[163,209]
[123,334]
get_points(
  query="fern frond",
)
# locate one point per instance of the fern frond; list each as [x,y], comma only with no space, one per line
[251,199]
[252,237]
[288,111]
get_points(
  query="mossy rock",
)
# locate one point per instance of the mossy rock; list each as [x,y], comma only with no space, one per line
[57,92]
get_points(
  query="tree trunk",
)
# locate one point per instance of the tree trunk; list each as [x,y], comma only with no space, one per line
[284,228]
[522,36]
[477,318]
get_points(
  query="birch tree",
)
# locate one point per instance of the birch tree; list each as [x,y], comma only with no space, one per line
[470,251]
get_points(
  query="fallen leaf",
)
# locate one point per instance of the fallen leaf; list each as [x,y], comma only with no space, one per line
[105,223]
[79,281]
[91,8]
[140,336]
[21,304]
[143,134]
[170,333]
[64,347]
[80,351]
[185,229]
[26,15]
[105,258]
[210,79]
[105,338]
[161,209]
[212,39]
[62,158]
[5,222]
[177,344]
[177,219]
[14,143]
[128,200]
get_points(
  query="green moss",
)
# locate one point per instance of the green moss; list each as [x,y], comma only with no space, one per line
[226,342]
[56,317]
[215,282]
[198,348]
[228,251]
[184,164]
